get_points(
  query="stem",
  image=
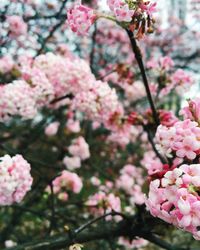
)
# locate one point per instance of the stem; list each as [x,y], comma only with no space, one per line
[93,47]
[89,223]
[138,57]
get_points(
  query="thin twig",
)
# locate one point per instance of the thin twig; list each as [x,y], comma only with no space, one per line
[138,57]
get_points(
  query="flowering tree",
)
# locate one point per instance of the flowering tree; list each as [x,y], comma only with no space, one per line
[97,151]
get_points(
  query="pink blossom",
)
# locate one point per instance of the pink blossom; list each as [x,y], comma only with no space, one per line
[99,103]
[95,181]
[6,64]
[101,203]
[67,76]
[148,8]
[131,180]
[136,243]
[181,80]
[17,26]
[15,179]
[72,162]
[67,181]
[175,198]
[123,13]
[52,128]
[12,101]
[166,63]
[192,111]
[182,139]
[73,126]
[80,19]
[79,148]
[151,163]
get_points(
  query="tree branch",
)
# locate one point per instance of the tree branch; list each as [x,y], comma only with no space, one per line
[138,58]
[127,227]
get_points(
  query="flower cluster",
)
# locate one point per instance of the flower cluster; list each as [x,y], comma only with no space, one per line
[17,98]
[66,182]
[168,80]
[66,75]
[15,179]
[43,79]
[131,181]
[52,129]
[175,198]
[79,149]
[182,139]
[6,64]
[125,11]
[17,26]
[101,203]
[40,85]
[151,163]
[137,14]
[121,10]
[137,243]
[80,18]
[99,103]
[192,111]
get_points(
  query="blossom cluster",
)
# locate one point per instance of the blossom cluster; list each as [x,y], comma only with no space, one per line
[79,149]
[181,140]
[192,111]
[65,183]
[98,103]
[168,79]
[80,18]
[125,11]
[67,74]
[17,98]
[15,179]
[17,26]
[175,199]
[131,181]
[137,14]
[101,203]
[152,163]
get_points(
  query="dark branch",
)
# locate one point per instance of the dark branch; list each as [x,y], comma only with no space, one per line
[139,60]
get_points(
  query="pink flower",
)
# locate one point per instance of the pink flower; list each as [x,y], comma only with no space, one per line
[167,118]
[136,243]
[15,179]
[182,139]
[192,111]
[52,128]
[166,63]
[79,148]
[152,64]
[148,8]
[151,163]
[187,147]
[73,126]
[17,26]
[80,19]
[17,98]
[67,181]
[123,13]
[99,103]
[101,203]
[175,198]
[72,162]
[65,75]
[181,80]
[6,64]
